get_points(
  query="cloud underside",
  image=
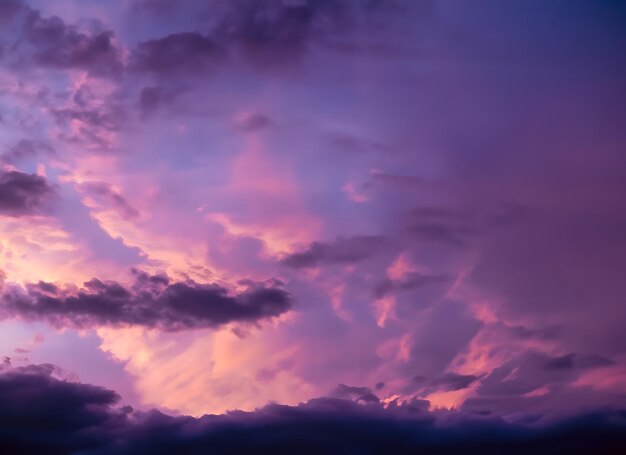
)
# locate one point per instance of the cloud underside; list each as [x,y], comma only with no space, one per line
[73,417]
[152,301]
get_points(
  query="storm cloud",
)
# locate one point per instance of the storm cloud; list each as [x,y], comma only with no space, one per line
[72,417]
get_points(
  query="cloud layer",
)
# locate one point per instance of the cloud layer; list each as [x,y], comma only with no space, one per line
[72,417]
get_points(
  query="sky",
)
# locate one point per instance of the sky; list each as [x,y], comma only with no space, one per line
[226,218]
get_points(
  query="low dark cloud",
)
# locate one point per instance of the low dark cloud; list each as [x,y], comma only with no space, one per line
[268,34]
[341,251]
[42,413]
[152,301]
[24,194]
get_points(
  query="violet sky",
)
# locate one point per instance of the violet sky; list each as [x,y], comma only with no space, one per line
[215,205]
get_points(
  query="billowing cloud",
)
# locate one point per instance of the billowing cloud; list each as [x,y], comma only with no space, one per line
[443,227]
[152,301]
[75,417]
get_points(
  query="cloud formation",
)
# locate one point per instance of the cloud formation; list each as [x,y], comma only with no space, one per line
[72,417]
[152,301]
[450,226]
[50,42]
[24,194]
[340,251]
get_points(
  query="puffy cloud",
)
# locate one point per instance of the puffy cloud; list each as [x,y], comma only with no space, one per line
[50,42]
[151,301]
[75,417]
[68,416]
[24,194]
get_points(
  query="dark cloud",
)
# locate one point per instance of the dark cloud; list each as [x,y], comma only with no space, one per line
[545,333]
[276,31]
[9,9]
[50,42]
[266,34]
[42,413]
[455,381]
[445,382]
[362,394]
[24,194]
[152,301]
[62,46]
[106,194]
[341,251]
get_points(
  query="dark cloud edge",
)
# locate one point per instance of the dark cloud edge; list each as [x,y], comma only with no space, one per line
[41,413]
[153,301]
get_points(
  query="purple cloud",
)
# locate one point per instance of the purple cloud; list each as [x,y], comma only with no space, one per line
[340,251]
[24,194]
[152,301]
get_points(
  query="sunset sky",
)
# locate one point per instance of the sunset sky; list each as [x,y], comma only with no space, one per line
[353,208]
